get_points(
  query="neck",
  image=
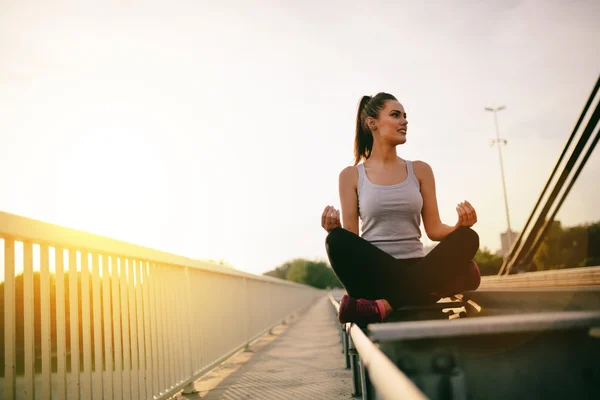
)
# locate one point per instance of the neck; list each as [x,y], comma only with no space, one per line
[383,154]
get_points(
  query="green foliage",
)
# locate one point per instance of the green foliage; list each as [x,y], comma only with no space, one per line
[297,272]
[320,275]
[313,273]
[19,287]
[281,271]
[488,262]
[577,246]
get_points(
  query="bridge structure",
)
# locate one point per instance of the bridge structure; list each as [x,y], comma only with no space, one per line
[94,318]
[91,317]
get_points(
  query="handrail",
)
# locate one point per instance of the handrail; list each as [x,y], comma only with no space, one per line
[22,228]
[389,381]
[134,322]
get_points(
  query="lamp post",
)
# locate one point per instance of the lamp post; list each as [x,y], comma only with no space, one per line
[498,141]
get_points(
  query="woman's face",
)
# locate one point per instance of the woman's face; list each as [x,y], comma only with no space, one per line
[391,126]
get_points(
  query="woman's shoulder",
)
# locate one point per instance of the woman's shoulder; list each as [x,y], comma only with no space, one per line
[422,169]
[349,174]
[419,165]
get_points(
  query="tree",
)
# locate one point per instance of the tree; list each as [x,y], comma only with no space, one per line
[320,275]
[593,242]
[281,271]
[576,246]
[314,273]
[489,263]
[297,272]
[548,255]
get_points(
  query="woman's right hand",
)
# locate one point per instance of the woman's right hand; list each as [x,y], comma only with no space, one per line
[330,219]
[467,216]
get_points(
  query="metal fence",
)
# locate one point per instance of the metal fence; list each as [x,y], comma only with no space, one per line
[509,321]
[94,318]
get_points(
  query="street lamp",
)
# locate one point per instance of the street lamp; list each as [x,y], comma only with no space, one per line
[499,140]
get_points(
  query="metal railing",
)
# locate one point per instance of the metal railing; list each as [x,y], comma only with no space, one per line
[558,186]
[389,381]
[94,318]
[501,304]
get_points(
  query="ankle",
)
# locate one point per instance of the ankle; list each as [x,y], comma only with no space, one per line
[388,307]
[384,308]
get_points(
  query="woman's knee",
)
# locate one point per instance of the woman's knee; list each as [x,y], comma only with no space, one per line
[469,237]
[335,238]
[339,241]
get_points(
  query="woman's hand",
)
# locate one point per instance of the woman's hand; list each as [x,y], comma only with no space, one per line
[330,219]
[466,215]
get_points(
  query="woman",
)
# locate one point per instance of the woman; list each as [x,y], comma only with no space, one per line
[385,268]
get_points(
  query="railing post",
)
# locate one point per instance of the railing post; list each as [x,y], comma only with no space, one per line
[270,286]
[9,319]
[365,382]
[28,308]
[345,345]
[247,315]
[189,388]
[285,313]
[270,322]
[356,377]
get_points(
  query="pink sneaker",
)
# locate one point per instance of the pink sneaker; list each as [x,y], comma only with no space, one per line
[461,283]
[361,311]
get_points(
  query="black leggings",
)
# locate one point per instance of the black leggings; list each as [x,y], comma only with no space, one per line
[368,272]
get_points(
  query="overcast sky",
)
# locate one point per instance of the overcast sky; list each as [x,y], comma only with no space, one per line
[218,129]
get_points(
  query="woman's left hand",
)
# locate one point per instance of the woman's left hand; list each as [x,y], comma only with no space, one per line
[466,215]
[330,219]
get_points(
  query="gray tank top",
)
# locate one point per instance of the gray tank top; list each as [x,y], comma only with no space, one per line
[391,214]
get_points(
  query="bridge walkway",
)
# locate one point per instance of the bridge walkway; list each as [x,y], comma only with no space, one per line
[301,361]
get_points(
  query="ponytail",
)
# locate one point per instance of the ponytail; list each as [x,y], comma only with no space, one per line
[363,140]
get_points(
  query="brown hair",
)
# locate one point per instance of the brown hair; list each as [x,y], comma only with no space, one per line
[367,107]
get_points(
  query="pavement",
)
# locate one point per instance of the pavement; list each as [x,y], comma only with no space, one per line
[301,360]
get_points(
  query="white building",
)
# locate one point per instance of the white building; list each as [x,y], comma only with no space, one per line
[504,242]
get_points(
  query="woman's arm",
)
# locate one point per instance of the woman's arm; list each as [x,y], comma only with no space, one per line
[348,183]
[434,227]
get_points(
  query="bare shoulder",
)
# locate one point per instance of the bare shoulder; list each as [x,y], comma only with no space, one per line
[421,165]
[349,175]
[422,170]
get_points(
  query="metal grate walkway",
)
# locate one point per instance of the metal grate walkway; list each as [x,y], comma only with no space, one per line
[300,361]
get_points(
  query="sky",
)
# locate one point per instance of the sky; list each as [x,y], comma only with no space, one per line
[217,130]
